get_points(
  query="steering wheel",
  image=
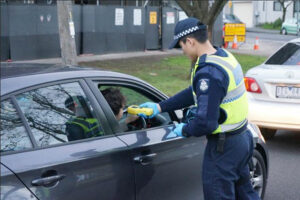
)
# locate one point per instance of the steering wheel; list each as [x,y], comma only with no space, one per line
[138,124]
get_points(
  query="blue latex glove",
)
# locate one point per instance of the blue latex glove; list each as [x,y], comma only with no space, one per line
[154,107]
[178,129]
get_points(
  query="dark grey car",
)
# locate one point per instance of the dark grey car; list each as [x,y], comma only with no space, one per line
[39,161]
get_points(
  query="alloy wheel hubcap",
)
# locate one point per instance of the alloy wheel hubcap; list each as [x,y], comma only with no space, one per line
[256,176]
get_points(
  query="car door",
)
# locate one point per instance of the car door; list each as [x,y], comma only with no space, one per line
[165,166]
[57,168]
[293,27]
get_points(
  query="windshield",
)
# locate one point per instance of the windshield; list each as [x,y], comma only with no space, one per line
[287,55]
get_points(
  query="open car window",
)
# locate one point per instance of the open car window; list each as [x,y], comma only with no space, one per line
[133,97]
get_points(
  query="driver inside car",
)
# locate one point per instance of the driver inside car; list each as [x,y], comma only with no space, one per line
[117,102]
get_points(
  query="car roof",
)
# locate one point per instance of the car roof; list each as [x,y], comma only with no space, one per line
[17,76]
[295,40]
[9,70]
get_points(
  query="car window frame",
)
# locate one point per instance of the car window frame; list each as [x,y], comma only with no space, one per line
[98,112]
[13,101]
[132,84]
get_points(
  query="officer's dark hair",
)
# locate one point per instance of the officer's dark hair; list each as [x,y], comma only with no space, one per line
[114,98]
[200,35]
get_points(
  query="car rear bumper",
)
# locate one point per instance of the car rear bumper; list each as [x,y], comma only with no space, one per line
[275,115]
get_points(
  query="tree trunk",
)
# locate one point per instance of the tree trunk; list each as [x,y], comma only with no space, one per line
[66,32]
[283,14]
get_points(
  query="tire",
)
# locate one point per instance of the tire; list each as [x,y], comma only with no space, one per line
[283,31]
[258,173]
[268,133]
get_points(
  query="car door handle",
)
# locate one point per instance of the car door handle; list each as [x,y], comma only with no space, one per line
[144,159]
[47,180]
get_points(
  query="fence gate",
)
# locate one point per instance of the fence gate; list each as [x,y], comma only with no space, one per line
[152,27]
[168,24]
[4,33]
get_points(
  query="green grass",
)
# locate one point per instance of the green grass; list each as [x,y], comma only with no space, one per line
[270,26]
[169,74]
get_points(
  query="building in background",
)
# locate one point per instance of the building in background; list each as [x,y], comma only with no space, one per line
[253,13]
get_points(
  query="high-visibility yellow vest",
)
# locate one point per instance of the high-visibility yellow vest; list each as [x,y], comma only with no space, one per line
[90,126]
[235,103]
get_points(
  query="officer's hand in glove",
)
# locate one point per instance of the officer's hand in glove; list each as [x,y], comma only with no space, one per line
[154,106]
[178,129]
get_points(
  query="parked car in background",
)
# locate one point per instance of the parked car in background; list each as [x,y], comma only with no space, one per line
[231,18]
[40,161]
[274,91]
[289,26]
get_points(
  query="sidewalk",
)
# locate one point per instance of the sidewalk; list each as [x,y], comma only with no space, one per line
[266,48]
[112,56]
[244,48]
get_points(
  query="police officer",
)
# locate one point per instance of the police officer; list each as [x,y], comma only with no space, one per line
[83,125]
[218,93]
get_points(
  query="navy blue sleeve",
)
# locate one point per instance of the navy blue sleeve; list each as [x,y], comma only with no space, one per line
[178,101]
[210,85]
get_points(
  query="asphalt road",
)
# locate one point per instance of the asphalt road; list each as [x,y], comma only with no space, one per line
[284,175]
[270,36]
[269,43]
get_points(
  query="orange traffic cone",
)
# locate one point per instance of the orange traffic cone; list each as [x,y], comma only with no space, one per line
[256,47]
[234,44]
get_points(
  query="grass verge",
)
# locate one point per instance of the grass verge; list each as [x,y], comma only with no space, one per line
[169,74]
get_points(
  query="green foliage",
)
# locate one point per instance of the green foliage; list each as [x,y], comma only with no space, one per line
[169,74]
[276,25]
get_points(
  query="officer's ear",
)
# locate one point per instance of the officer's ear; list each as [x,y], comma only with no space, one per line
[191,41]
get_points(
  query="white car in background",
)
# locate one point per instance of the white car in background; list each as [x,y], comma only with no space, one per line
[274,91]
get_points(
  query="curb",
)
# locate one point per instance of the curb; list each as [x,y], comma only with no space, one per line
[260,30]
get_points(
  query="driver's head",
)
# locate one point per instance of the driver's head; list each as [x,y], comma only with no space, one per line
[116,101]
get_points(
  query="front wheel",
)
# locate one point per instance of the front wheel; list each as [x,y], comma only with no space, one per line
[283,31]
[258,173]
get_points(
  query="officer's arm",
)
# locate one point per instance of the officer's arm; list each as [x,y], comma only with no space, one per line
[210,89]
[178,101]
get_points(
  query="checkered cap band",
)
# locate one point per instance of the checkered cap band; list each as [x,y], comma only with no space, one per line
[186,32]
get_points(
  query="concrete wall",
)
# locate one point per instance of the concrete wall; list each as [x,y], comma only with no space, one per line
[244,11]
[268,14]
[253,13]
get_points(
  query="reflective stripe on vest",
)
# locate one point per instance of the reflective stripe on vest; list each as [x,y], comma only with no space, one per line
[235,103]
[90,126]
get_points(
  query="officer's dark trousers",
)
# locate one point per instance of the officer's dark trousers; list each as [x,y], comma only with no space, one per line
[221,171]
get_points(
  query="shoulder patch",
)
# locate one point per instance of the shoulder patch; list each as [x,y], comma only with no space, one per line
[204,84]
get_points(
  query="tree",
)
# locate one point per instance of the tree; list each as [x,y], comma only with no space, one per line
[284,6]
[205,10]
[66,32]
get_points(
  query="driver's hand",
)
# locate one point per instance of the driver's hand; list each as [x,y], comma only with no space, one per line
[131,118]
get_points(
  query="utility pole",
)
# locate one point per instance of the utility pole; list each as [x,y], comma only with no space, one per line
[66,32]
